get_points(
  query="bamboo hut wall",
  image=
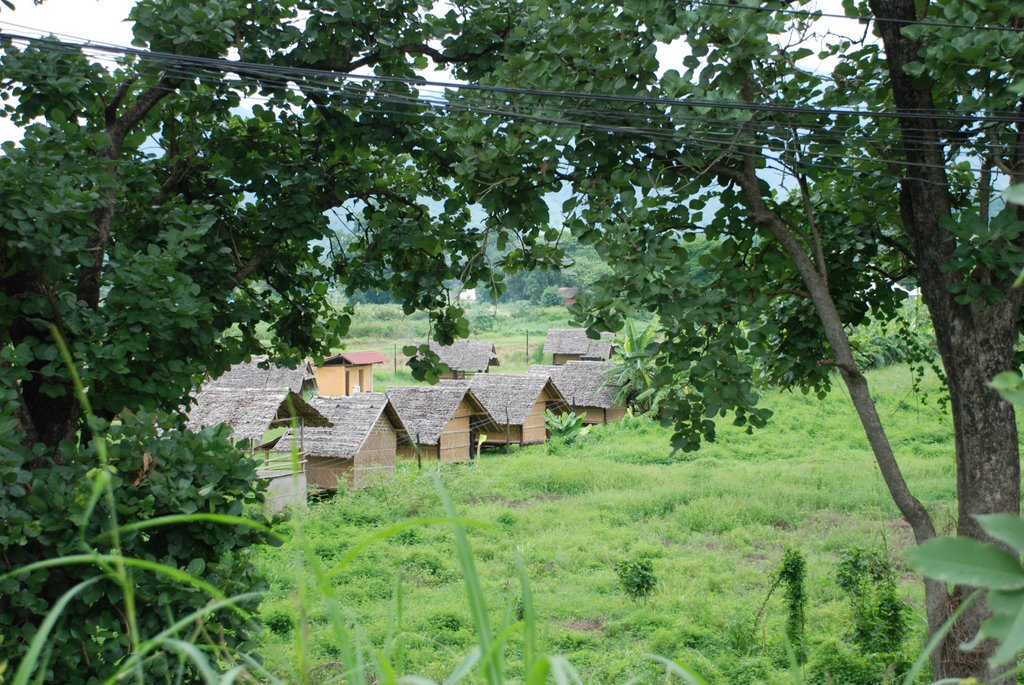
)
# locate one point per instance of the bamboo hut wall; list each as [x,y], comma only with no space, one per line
[408,451]
[614,414]
[326,472]
[559,359]
[376,458]
[591,415]
[456,440]
[534,429]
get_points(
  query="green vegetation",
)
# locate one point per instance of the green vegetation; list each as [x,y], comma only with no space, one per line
[715,526]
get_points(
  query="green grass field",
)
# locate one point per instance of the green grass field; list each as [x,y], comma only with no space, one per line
[715,523]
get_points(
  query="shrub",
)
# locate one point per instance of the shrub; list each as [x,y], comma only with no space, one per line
[154,471]
[636,577]
[793,576]
[881,618]
[550,297]
[482,319]
[837,663]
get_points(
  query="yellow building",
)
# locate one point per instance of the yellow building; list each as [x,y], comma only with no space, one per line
[347,373]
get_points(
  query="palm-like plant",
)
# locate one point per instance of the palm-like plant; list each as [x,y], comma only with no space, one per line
[635,375]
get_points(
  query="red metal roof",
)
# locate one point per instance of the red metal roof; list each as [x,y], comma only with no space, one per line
[358,358]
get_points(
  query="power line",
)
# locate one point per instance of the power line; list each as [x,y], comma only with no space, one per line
[674,118]
[703,142]
[813,14]
[700,142]
[258,70]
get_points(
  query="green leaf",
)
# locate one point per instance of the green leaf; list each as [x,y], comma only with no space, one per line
[964,561]
[1014,195]
[1010,635]
[1006,527]
[1010,385]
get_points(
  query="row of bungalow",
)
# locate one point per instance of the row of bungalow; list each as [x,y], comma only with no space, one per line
[344,432]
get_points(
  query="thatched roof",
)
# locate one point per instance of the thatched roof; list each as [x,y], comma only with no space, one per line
[466,355]
[426,409]
[575,341]
[251,375]
[584,384]
[509,398]
[250,412]
[353,418]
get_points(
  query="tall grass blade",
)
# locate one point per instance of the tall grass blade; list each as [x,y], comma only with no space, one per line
[385,671]
[123,572]
[174,519]
[474,591]
[198,659]
[30,660]
[99,486]
[937,639]
[98,559]
[538,674]
[674,669]
[562,671]
[154,643]
[529,617]
[257,667]
[464,668]
[397,529]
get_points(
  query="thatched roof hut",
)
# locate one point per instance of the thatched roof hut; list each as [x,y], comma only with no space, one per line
[589,388]
[517,404]
[572,344]
[441,421]
[464,356]
[251,412]
[259,372]
[359,447]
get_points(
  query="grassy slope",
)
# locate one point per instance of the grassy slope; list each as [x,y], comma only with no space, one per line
[716,524]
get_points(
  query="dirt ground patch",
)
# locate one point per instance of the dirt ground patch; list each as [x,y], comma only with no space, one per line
[516,503]
[588,625]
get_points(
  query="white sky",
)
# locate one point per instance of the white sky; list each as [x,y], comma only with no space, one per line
[98,20]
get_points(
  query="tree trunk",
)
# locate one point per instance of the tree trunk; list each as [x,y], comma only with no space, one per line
[976,344]
[975,340]
[815,281]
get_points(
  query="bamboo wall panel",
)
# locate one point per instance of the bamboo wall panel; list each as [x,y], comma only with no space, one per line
[327,472]
[376,458]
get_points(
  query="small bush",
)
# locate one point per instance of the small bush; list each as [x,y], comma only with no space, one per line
[278,622]
[838,663]
[550,297]
[446,622]
[881,618]
[636,577]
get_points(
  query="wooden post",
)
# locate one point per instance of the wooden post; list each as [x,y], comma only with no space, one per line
[395,359]
[507,428]
[527,347]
